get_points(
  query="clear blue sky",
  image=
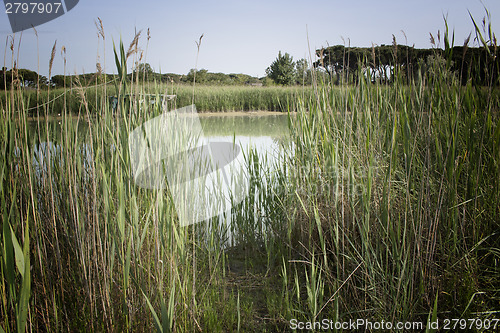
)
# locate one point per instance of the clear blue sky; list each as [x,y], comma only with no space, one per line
[241,36]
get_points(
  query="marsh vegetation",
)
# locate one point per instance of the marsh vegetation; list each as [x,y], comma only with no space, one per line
[388,208]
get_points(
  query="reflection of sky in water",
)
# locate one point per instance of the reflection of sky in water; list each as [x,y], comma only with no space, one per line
[265,135]
[261,133]
[270,152]
[245,125]
[263,145]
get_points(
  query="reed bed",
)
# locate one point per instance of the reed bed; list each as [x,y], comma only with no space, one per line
[207,98]
[241,98]
[397,192]
[385,207]
[397,187]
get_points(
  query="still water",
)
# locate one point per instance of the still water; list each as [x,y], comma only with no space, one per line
[268,137]
[265,134]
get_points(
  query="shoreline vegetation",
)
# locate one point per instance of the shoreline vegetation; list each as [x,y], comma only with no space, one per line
[387,210]
[207,98]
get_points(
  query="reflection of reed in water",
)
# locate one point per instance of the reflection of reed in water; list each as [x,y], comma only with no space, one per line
[247,125]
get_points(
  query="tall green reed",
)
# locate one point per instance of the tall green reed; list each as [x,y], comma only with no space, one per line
[386,209]
[104,253]
[388,197]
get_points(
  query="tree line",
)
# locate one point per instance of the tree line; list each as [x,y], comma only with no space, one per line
[379,63]
[26,78]
[22,77]
[481,65]
[144,73]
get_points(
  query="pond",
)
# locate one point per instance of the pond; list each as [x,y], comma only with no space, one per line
[265,134]
[263,131]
